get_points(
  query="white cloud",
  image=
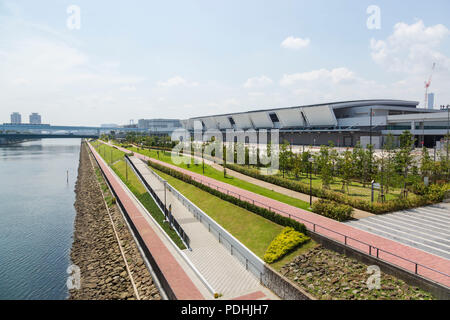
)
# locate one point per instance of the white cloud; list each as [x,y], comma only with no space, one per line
[295,43]
[128,89]
[337,75]
[257,82]
[411,48]
[176,81]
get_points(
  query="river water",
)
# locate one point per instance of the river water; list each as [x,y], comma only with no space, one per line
[37,217]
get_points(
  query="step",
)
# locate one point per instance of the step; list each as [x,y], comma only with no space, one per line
[422,220]
[411,230]
[436,214]
[392,218]
[401,239]
[410,236]
[421,215]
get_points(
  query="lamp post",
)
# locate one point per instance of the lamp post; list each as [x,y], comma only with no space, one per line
[310,181]
[203,159]
[165,199]
[370,142]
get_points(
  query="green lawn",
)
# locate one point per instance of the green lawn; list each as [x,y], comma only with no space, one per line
[218,175]
[356,189]
[252,230]
[138,189]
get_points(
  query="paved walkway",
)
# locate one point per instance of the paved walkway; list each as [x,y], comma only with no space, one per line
[222,270]
[183,281]
[426,228]
[357,213]
[363,240]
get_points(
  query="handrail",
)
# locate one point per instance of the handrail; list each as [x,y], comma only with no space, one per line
[177,227]
[223,235]
[315,225]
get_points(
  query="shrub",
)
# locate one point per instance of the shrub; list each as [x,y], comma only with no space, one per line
[377,208]
[285,242]
[267,214]
[436,193]
[333,210]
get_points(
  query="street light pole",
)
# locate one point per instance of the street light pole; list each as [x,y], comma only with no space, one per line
[203,159]
[310,181]
[165,200]
[370,142]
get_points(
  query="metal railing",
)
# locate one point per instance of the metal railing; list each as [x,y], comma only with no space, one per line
[247,258]
[370,249]
[173,222]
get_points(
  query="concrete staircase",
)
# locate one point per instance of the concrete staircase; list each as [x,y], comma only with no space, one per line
[426,228]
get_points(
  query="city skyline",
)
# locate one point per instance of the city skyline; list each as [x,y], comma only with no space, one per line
[130,62]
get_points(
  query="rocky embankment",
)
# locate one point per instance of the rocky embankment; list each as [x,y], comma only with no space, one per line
[95,249]
[329,275]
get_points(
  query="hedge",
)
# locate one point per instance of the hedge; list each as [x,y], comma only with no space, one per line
[285,242]
[433,196]
[267,214]
[333,210]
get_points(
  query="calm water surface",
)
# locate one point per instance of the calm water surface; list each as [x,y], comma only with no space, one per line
[36,217]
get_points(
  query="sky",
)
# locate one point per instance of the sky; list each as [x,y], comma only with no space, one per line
[84,62]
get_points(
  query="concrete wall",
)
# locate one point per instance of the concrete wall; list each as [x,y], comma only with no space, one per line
[318,139]
[283,287]
[438,290]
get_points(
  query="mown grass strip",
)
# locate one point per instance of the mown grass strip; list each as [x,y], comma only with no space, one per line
[133,183]
[218,175]
[254,231]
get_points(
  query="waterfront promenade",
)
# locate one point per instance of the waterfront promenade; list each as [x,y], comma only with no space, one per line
[222,270]
[429,266]
[184,283]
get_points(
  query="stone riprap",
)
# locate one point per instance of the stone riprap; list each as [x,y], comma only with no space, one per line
[329,275]
[95,249]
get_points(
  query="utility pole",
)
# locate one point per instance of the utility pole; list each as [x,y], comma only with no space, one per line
[448,129]
[370,135]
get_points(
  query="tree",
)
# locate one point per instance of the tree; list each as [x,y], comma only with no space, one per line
[358,161]
[284,157]
[346,169]
[426,164]
[325,167]
[305,162]
[404,159]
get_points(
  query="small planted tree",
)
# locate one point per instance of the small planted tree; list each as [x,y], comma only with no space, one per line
[346,170]
[404,159]
[284,157]
[325,167]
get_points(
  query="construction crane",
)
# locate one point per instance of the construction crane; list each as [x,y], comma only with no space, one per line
[427,85]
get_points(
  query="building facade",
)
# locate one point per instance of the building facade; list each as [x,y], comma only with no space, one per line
[159,125]
[343,123]
[431,101]
[35,118]
[16,118]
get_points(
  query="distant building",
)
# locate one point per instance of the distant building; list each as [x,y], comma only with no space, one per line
[157,125]
[109,125]
[35,118]
[16,118]
[345,123]
[431,101]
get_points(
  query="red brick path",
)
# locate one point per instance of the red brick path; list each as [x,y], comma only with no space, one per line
[371,241]
[179,281]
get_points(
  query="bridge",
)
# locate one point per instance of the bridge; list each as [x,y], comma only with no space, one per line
[40,131]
